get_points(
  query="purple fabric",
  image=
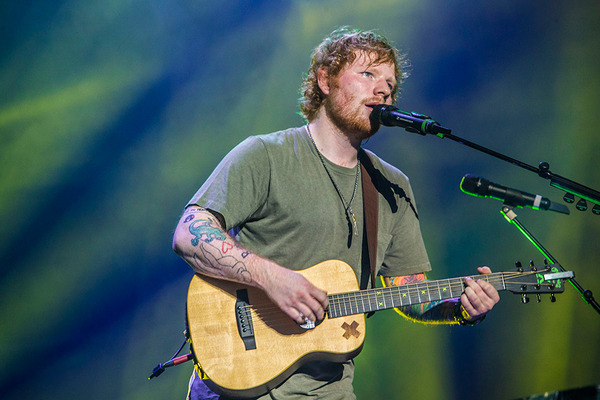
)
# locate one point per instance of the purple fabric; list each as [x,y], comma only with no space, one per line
[199,390]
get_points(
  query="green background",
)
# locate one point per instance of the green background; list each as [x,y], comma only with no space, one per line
[113,112]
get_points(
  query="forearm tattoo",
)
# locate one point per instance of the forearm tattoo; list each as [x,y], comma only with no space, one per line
[216,256]
[218,263]
[203,230]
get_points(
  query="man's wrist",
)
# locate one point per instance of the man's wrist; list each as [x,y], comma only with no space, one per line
[463,318]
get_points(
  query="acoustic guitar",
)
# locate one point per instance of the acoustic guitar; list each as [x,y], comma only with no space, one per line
[246,345]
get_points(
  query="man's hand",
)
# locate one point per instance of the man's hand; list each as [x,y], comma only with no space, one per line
[295,295]
[479,296]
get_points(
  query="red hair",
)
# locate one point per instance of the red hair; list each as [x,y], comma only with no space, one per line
[338,50]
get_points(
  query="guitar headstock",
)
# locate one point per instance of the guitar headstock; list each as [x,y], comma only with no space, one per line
[548,279]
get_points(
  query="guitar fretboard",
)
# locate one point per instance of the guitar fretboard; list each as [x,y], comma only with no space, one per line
[342,304]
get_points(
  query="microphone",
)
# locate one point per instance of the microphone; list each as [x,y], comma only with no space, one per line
[481,187]
[411,121]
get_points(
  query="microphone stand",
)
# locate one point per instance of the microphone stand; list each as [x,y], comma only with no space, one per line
[557,181]
[511,217]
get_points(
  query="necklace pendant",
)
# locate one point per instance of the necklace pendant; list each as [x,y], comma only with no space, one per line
[354,225]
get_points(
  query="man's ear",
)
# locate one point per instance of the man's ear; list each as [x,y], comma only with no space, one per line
[323,80]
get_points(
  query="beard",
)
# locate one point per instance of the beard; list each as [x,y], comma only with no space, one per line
[348,115]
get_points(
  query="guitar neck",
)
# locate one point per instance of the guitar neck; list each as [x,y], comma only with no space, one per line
[364,301]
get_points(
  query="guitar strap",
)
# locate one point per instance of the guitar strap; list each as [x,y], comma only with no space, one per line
[370,210]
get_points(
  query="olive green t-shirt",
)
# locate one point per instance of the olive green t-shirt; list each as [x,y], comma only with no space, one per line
[275,193]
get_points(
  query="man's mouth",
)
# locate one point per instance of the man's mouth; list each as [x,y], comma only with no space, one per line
[372,104]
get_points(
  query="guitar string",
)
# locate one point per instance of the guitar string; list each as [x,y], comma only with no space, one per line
[272,314]
[411,290]
[371,296]
[276,316]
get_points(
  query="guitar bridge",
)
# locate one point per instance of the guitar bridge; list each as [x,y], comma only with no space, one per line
[243,316]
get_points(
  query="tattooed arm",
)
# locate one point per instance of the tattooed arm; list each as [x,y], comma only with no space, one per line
[200,239]
[477,300]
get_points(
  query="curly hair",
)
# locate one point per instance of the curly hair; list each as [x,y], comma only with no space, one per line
[338,50]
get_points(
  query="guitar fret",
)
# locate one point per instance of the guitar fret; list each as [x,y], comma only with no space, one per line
[331,309]
[439,291]
[432,296]
[403,294]
[371,304]
[373,300]
[393,296]
[353,304]
[345,303]
[416,292]
[443,291]
[411,293]
[376,298]
[333,306]
[390,297]
[362,299]
[341,304]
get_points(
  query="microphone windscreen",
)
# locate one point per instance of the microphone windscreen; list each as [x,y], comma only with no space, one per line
[471,184]
[376,114]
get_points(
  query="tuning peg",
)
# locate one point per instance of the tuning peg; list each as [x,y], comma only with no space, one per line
[581,205]
[524,298]
[596,209]
[544,170]
[539,298]
[519,266]
[531,264]
[569,198]
[552,298]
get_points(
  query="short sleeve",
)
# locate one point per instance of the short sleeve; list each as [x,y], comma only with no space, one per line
[238,187]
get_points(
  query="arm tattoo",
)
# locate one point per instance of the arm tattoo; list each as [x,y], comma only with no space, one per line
[214,248]
[205,231]
[198,209]
[219,262]
[194,210]
[406,279]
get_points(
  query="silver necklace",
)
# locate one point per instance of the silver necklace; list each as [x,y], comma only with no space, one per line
[347,205]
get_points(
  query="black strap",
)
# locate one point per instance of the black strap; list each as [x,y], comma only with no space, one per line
[370,210]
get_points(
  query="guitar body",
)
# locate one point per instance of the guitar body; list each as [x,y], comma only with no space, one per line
[281,345]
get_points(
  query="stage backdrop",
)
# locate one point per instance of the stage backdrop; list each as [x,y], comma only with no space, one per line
[113,112]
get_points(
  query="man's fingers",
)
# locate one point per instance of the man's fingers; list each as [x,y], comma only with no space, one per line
[484,270]
[479,297]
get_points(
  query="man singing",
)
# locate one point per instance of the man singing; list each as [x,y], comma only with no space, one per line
[285,201]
